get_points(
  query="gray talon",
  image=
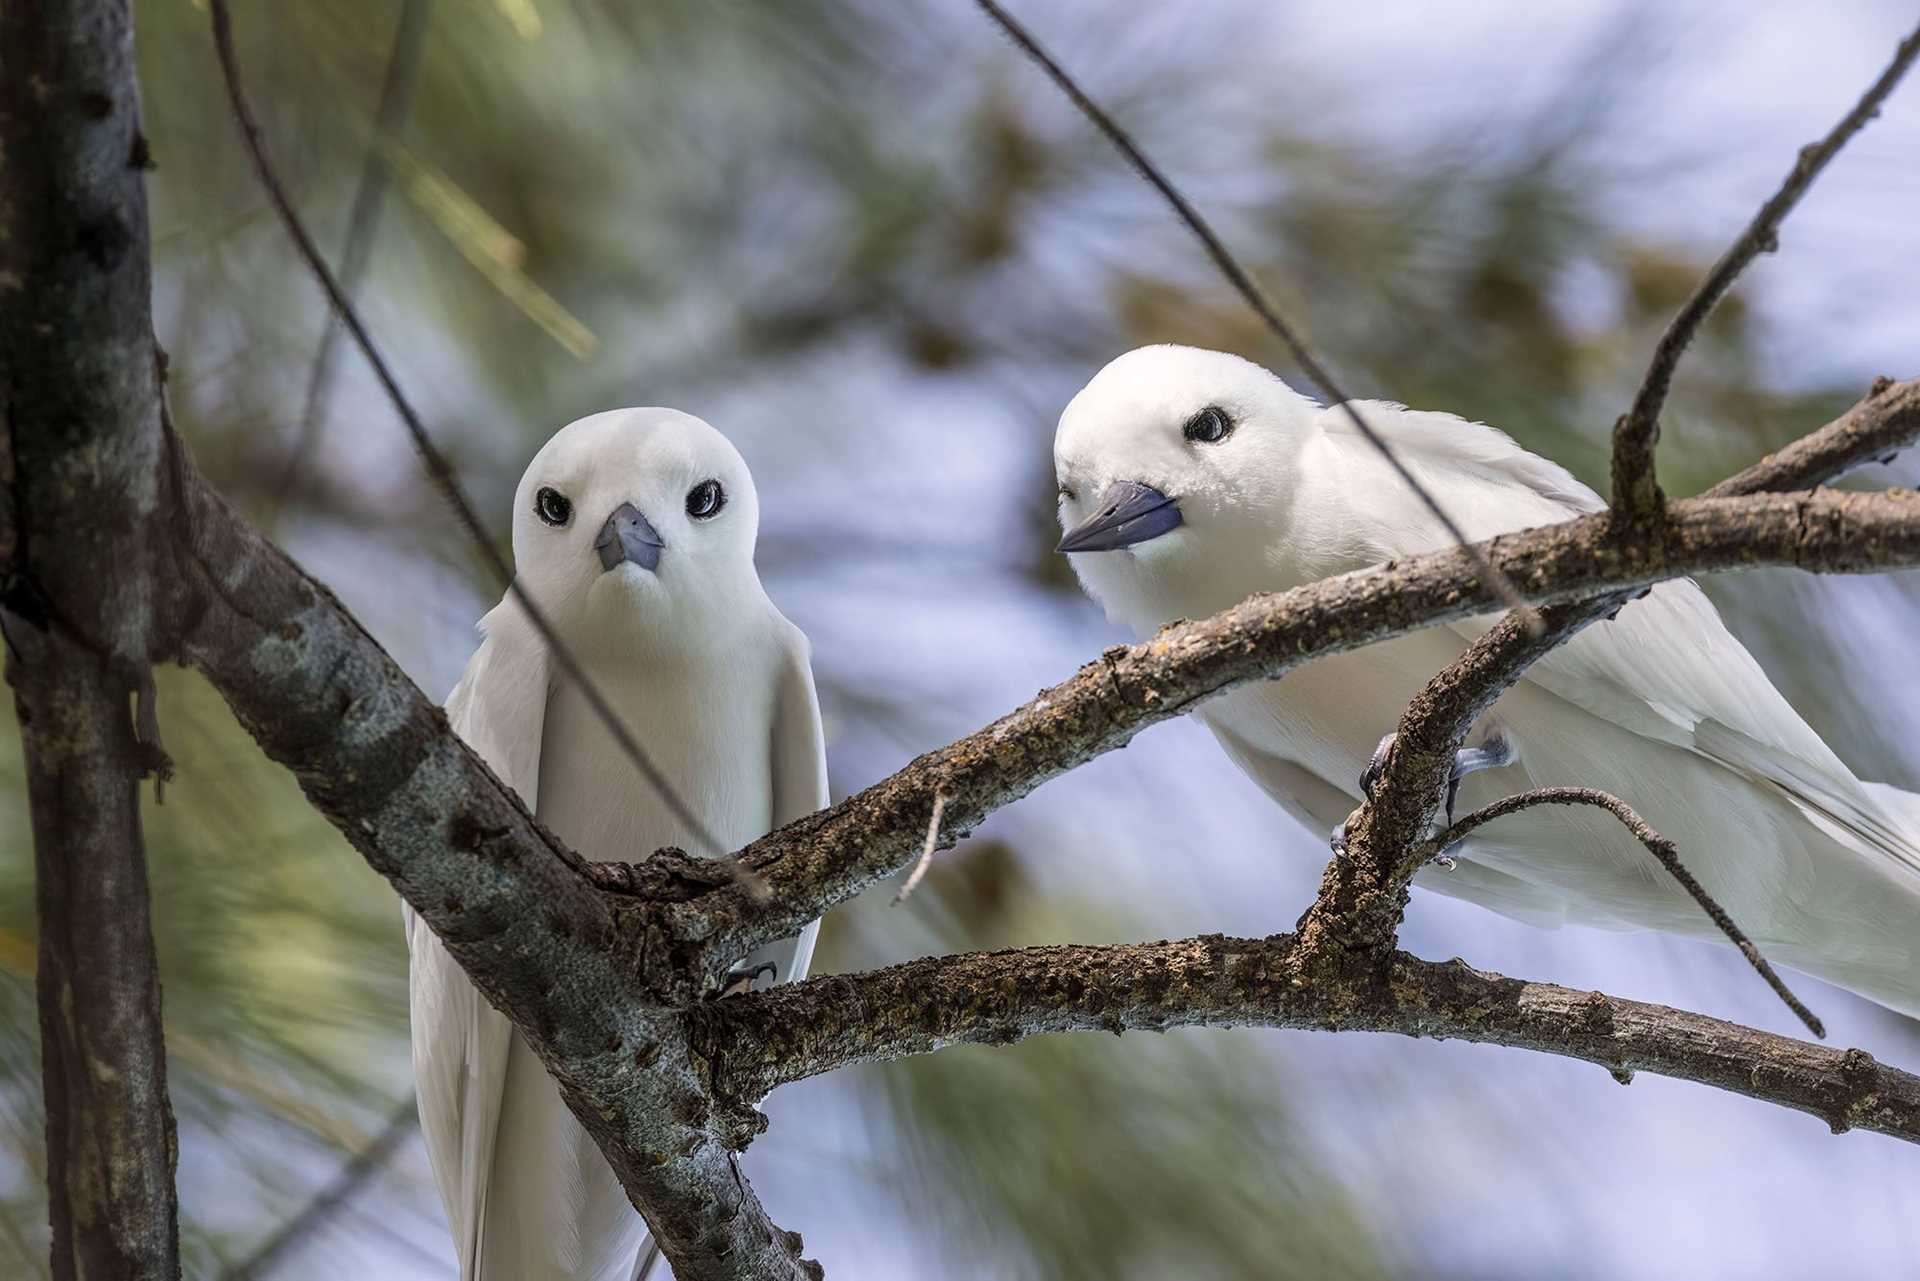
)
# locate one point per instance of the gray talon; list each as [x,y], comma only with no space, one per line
[1376,765]
[738,981]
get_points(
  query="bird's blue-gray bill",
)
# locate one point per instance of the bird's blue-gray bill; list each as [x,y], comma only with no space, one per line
[1129,513]
[628,537]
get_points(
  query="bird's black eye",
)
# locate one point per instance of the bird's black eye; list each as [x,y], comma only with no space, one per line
[1067,494]
[1208,427]
[705,499]
[552,506]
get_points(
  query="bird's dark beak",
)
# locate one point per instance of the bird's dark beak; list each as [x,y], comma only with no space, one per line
[628,537]
[1129,513]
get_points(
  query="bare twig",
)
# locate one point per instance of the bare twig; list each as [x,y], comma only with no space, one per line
[396,98]
[1636,490]
[760,1040]
[926,851]
[1244,284]
[1873,431]
[1662,849]
[360,1167]
[438,468]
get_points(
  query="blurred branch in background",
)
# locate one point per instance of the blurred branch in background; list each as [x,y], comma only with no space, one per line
[365,1162]
[389,119]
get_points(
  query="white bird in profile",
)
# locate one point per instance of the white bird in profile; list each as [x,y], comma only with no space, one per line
[633,532]
[1190,480]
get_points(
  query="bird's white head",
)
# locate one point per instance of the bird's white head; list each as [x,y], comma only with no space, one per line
[1176,469]
[636,527]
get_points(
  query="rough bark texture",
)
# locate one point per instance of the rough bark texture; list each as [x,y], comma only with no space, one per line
[512,904]
[811,865]
[753,1043]
[79,405]
[1873,431]
[110,1132]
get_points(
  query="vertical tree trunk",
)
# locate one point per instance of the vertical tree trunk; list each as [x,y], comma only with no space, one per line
[81,476]
[110,1134]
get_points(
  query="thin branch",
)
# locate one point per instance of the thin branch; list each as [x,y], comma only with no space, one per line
[758,1041]
[1636,490]
[1242,281]
[1873,431]
[926,851]
[1663,850]
[361,1167]
[438,468]
[396,98]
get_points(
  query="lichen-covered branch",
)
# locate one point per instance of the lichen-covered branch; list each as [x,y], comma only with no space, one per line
[756,1042]
[1636,491]
[78,496]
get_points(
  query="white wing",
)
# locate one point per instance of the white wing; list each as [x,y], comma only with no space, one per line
[461,1044]
[1665,668]
[799,756]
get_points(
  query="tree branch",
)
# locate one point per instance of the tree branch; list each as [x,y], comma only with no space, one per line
[78,538]
[757,1041]
[1664,851]
[587,978]
[819,861]
[1636,490]
[1873,431]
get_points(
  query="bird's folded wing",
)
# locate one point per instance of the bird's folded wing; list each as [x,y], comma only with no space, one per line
[1665,667]
[799,750]
[461,1044]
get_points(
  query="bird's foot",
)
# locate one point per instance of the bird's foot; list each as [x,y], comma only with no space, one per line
[1496,751]
[741,980]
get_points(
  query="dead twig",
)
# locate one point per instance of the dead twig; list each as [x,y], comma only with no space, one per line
[1657,845]
[1636,490]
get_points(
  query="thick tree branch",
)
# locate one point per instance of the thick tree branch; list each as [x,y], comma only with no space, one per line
[110,1133]
[512,904]
[817,862]
[78,495]
[755,1042]
[1636,490]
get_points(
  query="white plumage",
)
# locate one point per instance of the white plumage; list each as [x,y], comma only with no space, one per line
[1661,706]
[715,684]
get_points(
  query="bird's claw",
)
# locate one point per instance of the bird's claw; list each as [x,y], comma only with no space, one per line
[737,981]
[1496,751]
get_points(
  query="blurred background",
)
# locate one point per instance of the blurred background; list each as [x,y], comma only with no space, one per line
[875,249]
